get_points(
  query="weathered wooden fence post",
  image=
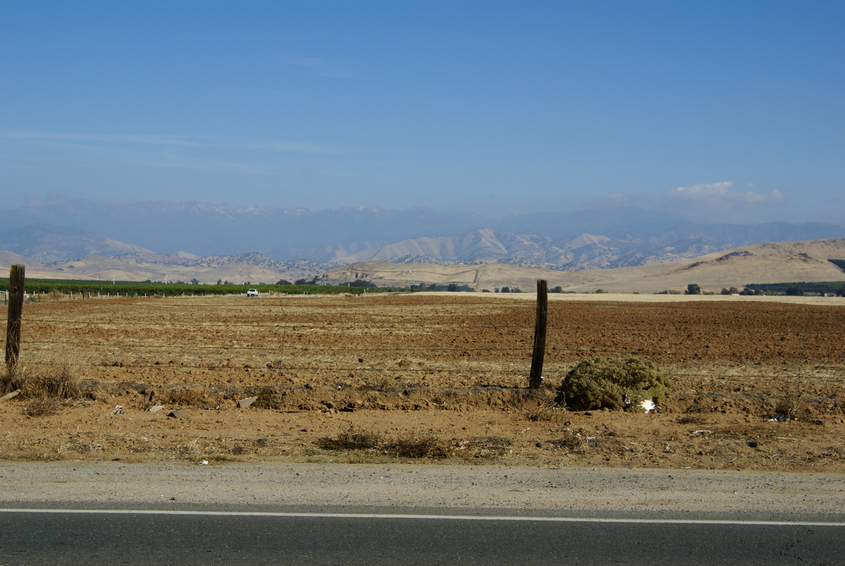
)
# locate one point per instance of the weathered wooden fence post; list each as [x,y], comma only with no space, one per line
[15,311]
[536,376]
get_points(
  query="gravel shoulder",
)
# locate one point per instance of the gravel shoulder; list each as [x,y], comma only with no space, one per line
[417,488]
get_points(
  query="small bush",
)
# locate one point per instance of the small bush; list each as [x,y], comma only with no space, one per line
[613,383]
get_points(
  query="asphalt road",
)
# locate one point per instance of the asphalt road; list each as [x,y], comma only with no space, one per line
[149,537]
[112,513]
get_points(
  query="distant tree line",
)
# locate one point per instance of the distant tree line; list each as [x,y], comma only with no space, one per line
[453,287]
[507,289]
[154,288]
[797,288]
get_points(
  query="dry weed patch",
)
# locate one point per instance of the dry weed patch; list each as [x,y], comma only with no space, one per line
[190,451]
[544,413]
[417,447]
[43,386]
[350,440]
[484,447]
[412,446]
[570,440]
[42,407]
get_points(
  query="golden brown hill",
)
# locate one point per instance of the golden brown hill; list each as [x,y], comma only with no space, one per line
[760,263]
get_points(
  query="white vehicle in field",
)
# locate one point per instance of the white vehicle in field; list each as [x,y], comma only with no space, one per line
[252,293]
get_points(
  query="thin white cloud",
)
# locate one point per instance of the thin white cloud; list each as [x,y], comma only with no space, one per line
[713,202]
[33,150]
[717,194]
[722,201]
[20,135]
[321,67]
[187,142]
[704,190]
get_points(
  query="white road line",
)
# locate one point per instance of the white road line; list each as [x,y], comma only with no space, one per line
[427,517]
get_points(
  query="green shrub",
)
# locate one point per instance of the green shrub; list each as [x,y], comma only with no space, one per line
[613,383]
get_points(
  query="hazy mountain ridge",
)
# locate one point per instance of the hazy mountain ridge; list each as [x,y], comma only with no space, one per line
[531,250]
[759,263]
[206,229]
[781,262]
[254,259]
[47,244]
[584,240]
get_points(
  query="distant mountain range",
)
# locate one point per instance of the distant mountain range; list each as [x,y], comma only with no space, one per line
[189,231]
[782,262]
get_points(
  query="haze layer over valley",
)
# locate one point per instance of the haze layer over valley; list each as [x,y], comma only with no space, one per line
[615,249]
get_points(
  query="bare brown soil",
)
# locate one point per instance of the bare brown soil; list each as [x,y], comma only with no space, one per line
[758,385]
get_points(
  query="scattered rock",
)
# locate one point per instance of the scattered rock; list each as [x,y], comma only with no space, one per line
[11,395]
[156,408]
[178,414]
[244,403]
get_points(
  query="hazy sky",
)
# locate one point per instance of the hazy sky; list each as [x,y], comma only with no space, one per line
[729,111]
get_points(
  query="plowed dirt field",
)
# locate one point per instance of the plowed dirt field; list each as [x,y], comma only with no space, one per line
[758,385]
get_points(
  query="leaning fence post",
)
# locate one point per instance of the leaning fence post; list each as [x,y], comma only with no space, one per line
[15,310]
[536,376]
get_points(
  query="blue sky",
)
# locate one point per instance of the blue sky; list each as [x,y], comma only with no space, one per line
[719,111]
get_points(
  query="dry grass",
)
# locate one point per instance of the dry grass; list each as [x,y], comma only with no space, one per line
[412,446]
[484,447]
[417,447]
[792,404]
[571,441]
[350,440]
[190,451]
[52,380]
[544,413]
[42,407]
[10,380]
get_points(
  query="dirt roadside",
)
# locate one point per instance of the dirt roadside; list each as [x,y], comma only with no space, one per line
[494,489]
